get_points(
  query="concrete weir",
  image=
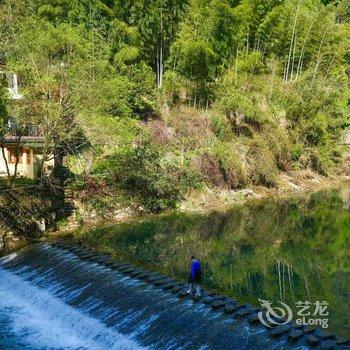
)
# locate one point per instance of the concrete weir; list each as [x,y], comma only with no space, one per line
[148,309]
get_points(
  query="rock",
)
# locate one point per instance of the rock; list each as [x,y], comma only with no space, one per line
[343,342]
[127,270]
[295,334]
[176,289]
[160,281]
[85,255]
[309,330]
[243,306]
[322,335]
[110,263]
[279,330]
[196,298]
[169,285]
[253,319]
[211,299]
[217,304]
[101,259]
[143,275]
[312,340]
[92,257]
[137,272]
[154,277]
[183,293]
[242,312]
[208,300]
[230,308]
[328,345]
[114,265]
[125,267]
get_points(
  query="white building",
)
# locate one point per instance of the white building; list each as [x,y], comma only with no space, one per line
[27,153]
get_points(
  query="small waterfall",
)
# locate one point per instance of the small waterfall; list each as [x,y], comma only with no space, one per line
[13,89]
[51,299]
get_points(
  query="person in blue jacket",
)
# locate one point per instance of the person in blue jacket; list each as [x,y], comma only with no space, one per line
[196,276]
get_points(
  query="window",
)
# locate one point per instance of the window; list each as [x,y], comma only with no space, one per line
[11,156]
[12,159]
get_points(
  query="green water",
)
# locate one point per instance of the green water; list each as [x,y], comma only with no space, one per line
[277,249]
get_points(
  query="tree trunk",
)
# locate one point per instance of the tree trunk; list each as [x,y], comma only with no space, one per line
[160,55]
[292,43]
[5,160]
[17,159]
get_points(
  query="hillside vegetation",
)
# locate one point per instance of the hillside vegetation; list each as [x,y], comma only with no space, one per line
[154,99]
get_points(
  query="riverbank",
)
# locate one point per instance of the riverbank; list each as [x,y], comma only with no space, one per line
[209,199]
[288,185]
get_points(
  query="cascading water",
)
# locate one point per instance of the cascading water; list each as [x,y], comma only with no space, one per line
[51,299]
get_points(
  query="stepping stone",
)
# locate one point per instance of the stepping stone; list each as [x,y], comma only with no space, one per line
[295,334]
[124,267]
[312,340]
[101,259]
[93,257]
[218,304]
[85,255]
[211,299]
[143,275]
[137,272]
[127,270]
[183,293]
[243,306]
[169,285]
[114,265]
[309,330]
[176,289]
[343,342]
[278,331]
[253,319]
[72,249]
[297,326]
[160,281]
[154,277]
[322,335]
[110,262]
[231,301]
[230,308]
[242,312]
[328,345]
[208,300]
[196,298]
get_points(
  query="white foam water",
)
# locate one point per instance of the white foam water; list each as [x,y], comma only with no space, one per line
[39,320]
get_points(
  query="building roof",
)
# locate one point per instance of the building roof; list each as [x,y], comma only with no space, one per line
[26,141]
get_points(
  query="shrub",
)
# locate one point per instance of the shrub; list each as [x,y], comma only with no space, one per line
[221,127]
[263,169]
[208,166]
[231,165]
[278,142]
[172,87]
[139,172]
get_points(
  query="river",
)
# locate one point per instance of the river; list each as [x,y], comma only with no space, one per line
[289,250]
[279,249]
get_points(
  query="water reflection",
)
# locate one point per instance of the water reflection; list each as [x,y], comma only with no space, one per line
[289,250]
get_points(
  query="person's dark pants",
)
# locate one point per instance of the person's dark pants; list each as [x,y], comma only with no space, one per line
[194,285]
